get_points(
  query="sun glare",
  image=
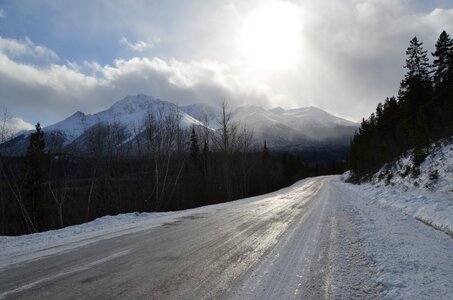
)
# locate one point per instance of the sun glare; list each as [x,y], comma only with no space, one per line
[271,36]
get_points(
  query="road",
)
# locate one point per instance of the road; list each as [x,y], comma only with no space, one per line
[293,244]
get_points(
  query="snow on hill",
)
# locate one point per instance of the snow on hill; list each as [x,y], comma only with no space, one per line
[129,112]
[299,127]
[283,129]
[427,196]
[204,113]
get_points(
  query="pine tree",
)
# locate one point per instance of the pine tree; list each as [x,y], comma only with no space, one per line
[265,151]
[417,61]
[416,84]
[194,148]
[443,60]
[34,175]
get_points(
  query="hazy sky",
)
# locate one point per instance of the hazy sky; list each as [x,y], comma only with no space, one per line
[57,57]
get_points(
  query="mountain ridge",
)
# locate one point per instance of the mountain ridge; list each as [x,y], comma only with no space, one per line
[296,128]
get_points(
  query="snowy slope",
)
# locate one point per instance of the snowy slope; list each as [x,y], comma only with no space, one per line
[295,128]
[291,129]
[427,197]
[129,112]
[285,129]
[204,113]
[411,259]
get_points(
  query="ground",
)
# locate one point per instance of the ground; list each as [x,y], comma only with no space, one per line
[318,239]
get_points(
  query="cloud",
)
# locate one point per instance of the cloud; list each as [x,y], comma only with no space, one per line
[351,55]
[14,125]
[10,126]
[2,13]
[26,48]
[57,90]
[439,19]
[139,46]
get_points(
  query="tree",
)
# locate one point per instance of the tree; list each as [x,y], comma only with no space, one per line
[225,140]
[5,132]
[443,60]
[194,148]
[265,151]
[33,176]
[416,84]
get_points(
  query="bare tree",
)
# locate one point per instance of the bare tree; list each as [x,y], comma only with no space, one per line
[59,190]
[244,147]
[225,140]
[14,183]
[164,137]
[5,131]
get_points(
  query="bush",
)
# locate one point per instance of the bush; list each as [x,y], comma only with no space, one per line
[433,175]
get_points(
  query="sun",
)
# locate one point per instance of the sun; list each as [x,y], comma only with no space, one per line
[271,36]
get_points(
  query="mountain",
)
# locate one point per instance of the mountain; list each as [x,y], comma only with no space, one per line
[292,129]
[288,130]
[129,113]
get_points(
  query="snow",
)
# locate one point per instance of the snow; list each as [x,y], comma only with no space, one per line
[427,198]
[406,224]
[411,260]
[356,234]
[130,112]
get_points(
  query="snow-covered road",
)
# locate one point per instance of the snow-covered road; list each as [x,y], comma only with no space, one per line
[316,239]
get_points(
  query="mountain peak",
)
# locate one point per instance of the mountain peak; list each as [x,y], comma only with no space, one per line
[277,110]
[78,114]
[132,104]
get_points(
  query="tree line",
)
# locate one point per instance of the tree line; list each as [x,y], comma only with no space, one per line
[420,115]
[164,167]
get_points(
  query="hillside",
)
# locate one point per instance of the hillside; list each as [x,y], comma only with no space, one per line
[424,192]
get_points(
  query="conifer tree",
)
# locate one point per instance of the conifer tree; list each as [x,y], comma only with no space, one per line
[265,151]
[194,148]
[443,60]
[34,175]
[416,84]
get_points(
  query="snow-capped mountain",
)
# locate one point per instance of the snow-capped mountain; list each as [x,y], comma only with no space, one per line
[293,129]
[129,112]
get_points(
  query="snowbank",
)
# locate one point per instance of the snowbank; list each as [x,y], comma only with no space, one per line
[427,197]
[16,249]
[410,260]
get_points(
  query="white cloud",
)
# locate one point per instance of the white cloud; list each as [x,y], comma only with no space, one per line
[26,48]
[351,57]
[53,92]
[440,19]
[2,13]
[11,126]
[17,124]
[139,46]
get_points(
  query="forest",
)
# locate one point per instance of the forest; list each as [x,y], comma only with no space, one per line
[168,168]
[417,118]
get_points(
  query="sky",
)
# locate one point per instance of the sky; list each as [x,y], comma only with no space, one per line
[59,57]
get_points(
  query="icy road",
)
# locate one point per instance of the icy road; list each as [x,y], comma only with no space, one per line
[307,241]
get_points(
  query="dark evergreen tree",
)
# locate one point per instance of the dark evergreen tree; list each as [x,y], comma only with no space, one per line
[443,60]
[420,116]
[194,148]
[416,84]
[265,151]
[33,176]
